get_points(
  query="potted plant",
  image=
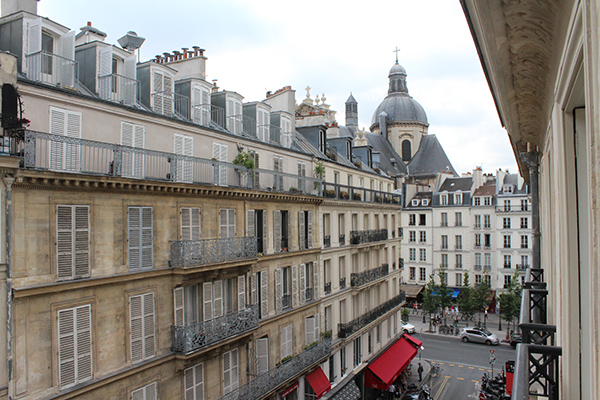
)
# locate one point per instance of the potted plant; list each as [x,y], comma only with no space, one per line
[356,196]
[330,193]
[378,198]
[245,159]
[319,173]
[344,195]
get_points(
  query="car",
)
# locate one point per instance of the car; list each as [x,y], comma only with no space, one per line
[478,335]
[408,328]
[515,339]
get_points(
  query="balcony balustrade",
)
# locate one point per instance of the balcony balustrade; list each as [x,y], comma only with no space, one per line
[308,292]
[190,253]
[368,236]
[52,69]
[513,209]
[343,283]
[208,115]
[362,278]
[478,267]
[522,267]
[342,239]
[267,382]
[327,288]
[193,337]
[487,268]
[347,329]
[345,192]
[401,263]
[286,301]
[327,241]
[118,88]
[171,104]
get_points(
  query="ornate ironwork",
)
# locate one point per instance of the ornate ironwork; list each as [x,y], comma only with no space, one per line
[347,329]
[192,337]
[522,267]
[401,263]
[286,301]
[368,236]
[362,278]
[308,294]
[327,288]
[342,239]
[265,383]
[189,253]
[345,192]
[343,283]
[326,241]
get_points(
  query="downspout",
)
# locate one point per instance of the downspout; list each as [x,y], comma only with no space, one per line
[8,182]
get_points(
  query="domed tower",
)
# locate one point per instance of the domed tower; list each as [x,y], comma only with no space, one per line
[399,117]
[351,113]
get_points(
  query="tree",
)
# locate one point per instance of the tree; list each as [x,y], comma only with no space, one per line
[465,301]
[443,292]
[429,299]
[510,301]
[481,295]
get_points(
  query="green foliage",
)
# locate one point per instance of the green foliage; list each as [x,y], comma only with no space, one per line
[326,334]
[245,159]
[466,304]
[319,170]
[429,300]
[405,312]
[444,293]
[510,301]
[480,295]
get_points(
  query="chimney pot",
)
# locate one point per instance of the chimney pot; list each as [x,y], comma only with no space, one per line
[89,23]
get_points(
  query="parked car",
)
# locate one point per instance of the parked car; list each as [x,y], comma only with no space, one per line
[478,335]
[408,328]
[515,338]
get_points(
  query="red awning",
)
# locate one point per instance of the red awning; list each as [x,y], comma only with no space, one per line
[382,372]
[319,382]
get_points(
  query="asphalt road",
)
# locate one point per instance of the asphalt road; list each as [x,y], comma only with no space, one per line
[461,365]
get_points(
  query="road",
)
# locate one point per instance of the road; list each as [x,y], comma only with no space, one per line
[461,365]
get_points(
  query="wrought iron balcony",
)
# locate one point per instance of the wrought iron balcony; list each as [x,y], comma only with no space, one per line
[478,267]
[400,233]
[513,208]
[345,192]
[342,239]
[347,329]
[401,263]
[368,236]
[190,253]
[286,301]
[327,288]
[52,69]
[343,283]
[118,88]
[170,104]
[208,115]
[267,382]
[193,337]
[327,241]
[308,293]
[362,278]
[487,268]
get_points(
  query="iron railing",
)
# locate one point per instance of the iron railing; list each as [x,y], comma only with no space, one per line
[208,114]
[52,69]
[347,329]
[171,104]
[308,294]
[44,151]
[342,239]
[118,88]
[189,253]
[513,208]
[362,278]
[345,192]
[327,241]
[267,382]
[327,288]
[368,236]
[478,267]
[400,233]
[343,283]
[401,263]
[193,337]
[286,301]
[522,267]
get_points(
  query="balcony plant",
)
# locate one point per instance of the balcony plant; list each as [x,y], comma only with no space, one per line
[344,195]
[378,198]
[326,334]
[245,159]
[319,173]
[330,193]
[356,196]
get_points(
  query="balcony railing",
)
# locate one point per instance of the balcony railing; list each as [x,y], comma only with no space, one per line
[44,151]
[347,329]
[193,337]
[171,104]
[327,241]
[327,288]
[52,69]
[343,283]
[286,301]
[267,382]
[342,239]
[487,268]
[401,263]
[189,253]
[208,114]
[345,192]
[118,88]
[478,267]
[308,293]
[369,236]
[522,267]
[515,208]
[400,233]
[362,278]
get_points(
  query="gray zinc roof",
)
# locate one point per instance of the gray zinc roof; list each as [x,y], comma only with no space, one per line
[430,159]
[387,153]
[456,184]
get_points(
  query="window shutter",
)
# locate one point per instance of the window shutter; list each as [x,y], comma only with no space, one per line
[149,326]
[309,330]
[235,374]
[34,44]
[286,341]
[147,248]
[194,382]
[301,230]
[190,223]
[250,223]
[178,302]
[147,392]
[294,286]
[230,371]
[315,280]
[74,345]
[265,231]
[264,293]
[208,302]
[136,328]
[134,231]
[64,242]
[158,95]
[72,151]
[58,119]
[302,283]
[278,290]
[105,85]
[241,292]
[168,99]
[316,326]
[127,140]
[230,119]
[262,355]
[218,298]
[231,227]
[129,87]
[309,230]
[67,49]
[82,241]
[277,231]
[253,288]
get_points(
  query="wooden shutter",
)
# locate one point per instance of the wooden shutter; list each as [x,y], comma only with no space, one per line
[277,231]
[230,371]
[127,157]
[301,230]
[73,151]
[262,355]
[264,293]
[129,88]
[231,226]
[34,45]
[316,326]
[64,242]
[73,242]
[286,341]
[241,292]
[157,92]
[74,345]
[315,265]
[194,382]
[294,286]
[142,326]
[309,228]
[278,289]
[67,46]
[190,223]
[178,302]
[250,223]
[147,248]
[134,234]
[82,241]
[218,298]
[66,68]
[105,84]
[302,283]
[147,392]
[309,330]
[168,97]
[207,295]
[254,288]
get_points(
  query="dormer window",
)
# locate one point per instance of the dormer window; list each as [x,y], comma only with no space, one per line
[508,189]
[348,150]
[234,116]
[487,201]
[425,202]
[458,198]
[415,202]
[477,201]
[444,199]
[322,141]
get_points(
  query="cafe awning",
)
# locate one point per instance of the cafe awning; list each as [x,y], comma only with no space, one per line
[382,372]
[411,291]
[455,293]
[319,382]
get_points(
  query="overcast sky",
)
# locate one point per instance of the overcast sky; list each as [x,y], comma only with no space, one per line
[335,47]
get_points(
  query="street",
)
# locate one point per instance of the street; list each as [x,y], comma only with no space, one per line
[461,364]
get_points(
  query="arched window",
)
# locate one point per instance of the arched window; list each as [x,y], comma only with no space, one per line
[406,150]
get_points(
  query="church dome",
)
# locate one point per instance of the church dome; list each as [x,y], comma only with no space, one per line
[398,105]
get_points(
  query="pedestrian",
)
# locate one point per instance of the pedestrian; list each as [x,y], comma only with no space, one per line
[485,313]
[392,391]
[420,371]
[415,308]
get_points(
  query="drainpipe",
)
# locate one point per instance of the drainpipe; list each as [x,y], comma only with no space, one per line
[8,182]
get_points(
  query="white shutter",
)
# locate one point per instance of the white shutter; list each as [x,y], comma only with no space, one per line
[64,242]
[220,153]
[264,293]
[68,45]
[134,234]
[168,97]
[72,151]
[309,330]
[278,290]
[34,45]
[57,127]
[286,341]
[147,247]
[147,392]
[206,107]
[105,88]
[230,371]
[67,68]
[149,326]
[235,369]
[262,355]
[218,298]
[127,140]
[207,297]
[129,86]
[316,326]
[277,231]
[250,223]
[139,139]
[301,231]
[241,292]
[254,288]
[231,221]
[64,155]
[315,280]
[190,223]
[158,93]
[142,326]
[230,117]
[294,286]
[309,232]
[73,243]
[82,241]
[302,283]
[74,345]
[194,382]
[178,302]
[140,238]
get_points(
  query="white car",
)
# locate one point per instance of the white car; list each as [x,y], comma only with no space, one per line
[408,328]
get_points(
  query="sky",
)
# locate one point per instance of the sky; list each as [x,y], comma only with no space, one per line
[335,47]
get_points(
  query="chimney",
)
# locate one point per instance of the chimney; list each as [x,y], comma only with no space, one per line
[8,7]
[477,177]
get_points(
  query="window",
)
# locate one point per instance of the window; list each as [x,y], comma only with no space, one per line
[183,145]
[524,241]
[422,255]
[487,240]
[477,240]
[259,292]
[444,277]
[190,223]
[478,260]
[357,351]
[336,177]
[458,219]
[458,278]
[142,327]
[488,260]
[507,261]
[301,173]
[256,227]
[220,153]
[524,205]
[328,319]
[458,242]
[278,179]
[487,222]
[231,373]
[477,201]
[506,223]
[226,223]
[443,199]
[305,223]
[48,47]
[422,274]
[147,392]
[132,163]
[311,330]
[412,236]
[65,156]
[444,242]
[414,202]
[525,261]
[342,361]
[286,341]
[281,222]
[422,219]
[234,116]
[425,202]
[162,86]
[458,198]
[370,342]
[458,261]
[507,205]
[306,282]
[193,380]
[141,241]
[487,201]
[507,241]
[478,279]
[444,263]
[413,273]
[72,242]
[507,281]
[74,345]
[412,219]
[507,189]
[477,224]
[423,236]
[444,221]
[342,311]
[488,280]
[412,254]
[285,282]
[524,223]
